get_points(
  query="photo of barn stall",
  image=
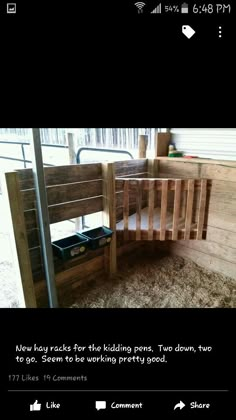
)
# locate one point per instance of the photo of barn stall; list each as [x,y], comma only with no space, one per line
[166,237]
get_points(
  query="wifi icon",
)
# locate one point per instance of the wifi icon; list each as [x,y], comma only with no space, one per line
[140,5]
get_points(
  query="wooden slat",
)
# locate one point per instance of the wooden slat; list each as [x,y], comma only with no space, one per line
[189,210]
[201,213]
[126,210]
[138,208]
[65,211]
[230,163]
[70,210]
[11,190]
[176,209]
[63,193]
[133,166]
[109,215]
[164,198]
[57,175]
[151,197]
[33,236]
[158,184]
[219,172]
[220,251]
[156,235]
[204,260]
[179,169]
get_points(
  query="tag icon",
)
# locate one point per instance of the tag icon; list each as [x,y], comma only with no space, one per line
[188,31]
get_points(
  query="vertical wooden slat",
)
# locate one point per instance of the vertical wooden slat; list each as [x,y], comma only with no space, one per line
[189,211]
[109,214]
[151,196]
[164,198]
[202,205]
[126,210]
[176,209]
[11,189]
[138,209]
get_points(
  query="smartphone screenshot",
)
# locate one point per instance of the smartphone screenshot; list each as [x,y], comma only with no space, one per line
[118,272]
[117,245]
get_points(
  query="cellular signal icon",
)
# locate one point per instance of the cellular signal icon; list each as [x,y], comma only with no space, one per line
[140,5]
[157,9]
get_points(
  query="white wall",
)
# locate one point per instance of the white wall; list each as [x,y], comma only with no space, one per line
[215,143]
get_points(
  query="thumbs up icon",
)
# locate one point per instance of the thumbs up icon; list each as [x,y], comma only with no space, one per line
[35,406]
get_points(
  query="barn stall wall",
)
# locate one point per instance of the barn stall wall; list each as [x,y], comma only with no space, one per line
[78,190]
[218,251]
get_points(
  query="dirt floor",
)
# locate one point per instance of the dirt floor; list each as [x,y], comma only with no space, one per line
[164,282]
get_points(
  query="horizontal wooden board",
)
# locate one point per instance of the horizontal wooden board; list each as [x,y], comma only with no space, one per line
[207,261]
[158,184]
[65,279]
[63,193]
[215,219]
[66,211]
[220,172]
[198,160]
[221,236]
[57,175]
[156,235]
[80,271]
[134,166]
[73,209]
[214,249]
[30,219]
[33,237]
[179,169]
[59,264]
[36,260]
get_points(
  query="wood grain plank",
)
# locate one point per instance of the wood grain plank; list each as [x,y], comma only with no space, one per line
[11,189]
[164,201]
[63,193]
[73,209]
[126,167]
[151,198]
[204,260]
[189,210]
[176,209]
[109,215]
[57,175]
[138,209]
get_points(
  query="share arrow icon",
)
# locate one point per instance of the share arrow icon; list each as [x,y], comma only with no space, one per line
[180,405]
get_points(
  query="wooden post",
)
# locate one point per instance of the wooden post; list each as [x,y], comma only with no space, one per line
[189,211]
[72,160]
[176,209]
[150,209]
[109,215]
[142,143]
[162,142]
[164,200]
[138,208]
[71,146]
[18,234]
[202,206]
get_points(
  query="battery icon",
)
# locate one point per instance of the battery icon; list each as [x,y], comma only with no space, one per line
[184,8]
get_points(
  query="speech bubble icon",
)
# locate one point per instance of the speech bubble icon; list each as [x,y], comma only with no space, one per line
[188,31]
[100,405]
